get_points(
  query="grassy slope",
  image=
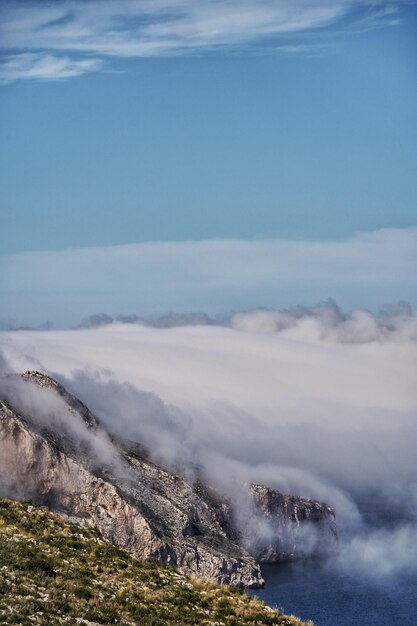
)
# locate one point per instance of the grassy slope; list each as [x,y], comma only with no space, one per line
[53,572]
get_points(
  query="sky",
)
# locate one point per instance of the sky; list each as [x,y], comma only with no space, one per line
[221,156]
[131,122]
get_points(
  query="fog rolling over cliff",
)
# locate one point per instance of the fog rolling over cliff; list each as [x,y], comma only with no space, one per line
[303,402]
[54,451]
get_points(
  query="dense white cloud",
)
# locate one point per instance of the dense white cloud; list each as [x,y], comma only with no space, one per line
[327,322]
[346,412]
[143,28]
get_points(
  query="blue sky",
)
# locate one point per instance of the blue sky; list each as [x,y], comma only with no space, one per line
[135,121]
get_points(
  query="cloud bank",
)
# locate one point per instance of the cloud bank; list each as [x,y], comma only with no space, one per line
[253,397]
[315,407]
[100,29]
[327,322]
[214,276]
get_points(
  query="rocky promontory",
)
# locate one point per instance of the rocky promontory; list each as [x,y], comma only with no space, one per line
[56,452]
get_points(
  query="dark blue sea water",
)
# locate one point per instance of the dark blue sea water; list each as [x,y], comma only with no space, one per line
[332,598]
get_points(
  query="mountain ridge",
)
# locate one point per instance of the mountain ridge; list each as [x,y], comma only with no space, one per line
[60,455]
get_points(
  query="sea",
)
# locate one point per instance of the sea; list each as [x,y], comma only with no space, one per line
[328,597]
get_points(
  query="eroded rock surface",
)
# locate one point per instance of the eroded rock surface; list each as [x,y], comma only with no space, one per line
[54,451]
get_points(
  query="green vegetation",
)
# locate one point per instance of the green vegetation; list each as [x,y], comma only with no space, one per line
[53,572]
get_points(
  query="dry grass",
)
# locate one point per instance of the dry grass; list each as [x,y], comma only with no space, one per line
[53,572]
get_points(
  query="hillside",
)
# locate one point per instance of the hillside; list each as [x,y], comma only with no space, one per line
[54,572]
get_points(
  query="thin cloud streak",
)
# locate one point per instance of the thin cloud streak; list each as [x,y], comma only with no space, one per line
[37,66]
[139,28]
[214,275]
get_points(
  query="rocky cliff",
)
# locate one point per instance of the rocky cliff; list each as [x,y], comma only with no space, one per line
[54,451]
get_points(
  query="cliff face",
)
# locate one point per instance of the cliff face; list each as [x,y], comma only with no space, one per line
[300,527]
[66,460]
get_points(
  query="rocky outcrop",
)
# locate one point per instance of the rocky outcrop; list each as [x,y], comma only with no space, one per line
[58,454]
[300,528]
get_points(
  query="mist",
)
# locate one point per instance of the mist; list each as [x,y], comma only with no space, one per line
[308,401]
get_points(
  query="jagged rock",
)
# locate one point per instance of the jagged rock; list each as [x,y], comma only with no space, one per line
[300,527]
[68,462]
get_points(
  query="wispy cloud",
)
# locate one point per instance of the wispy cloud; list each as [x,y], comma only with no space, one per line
[144,28]
[386,15]
[38,66]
